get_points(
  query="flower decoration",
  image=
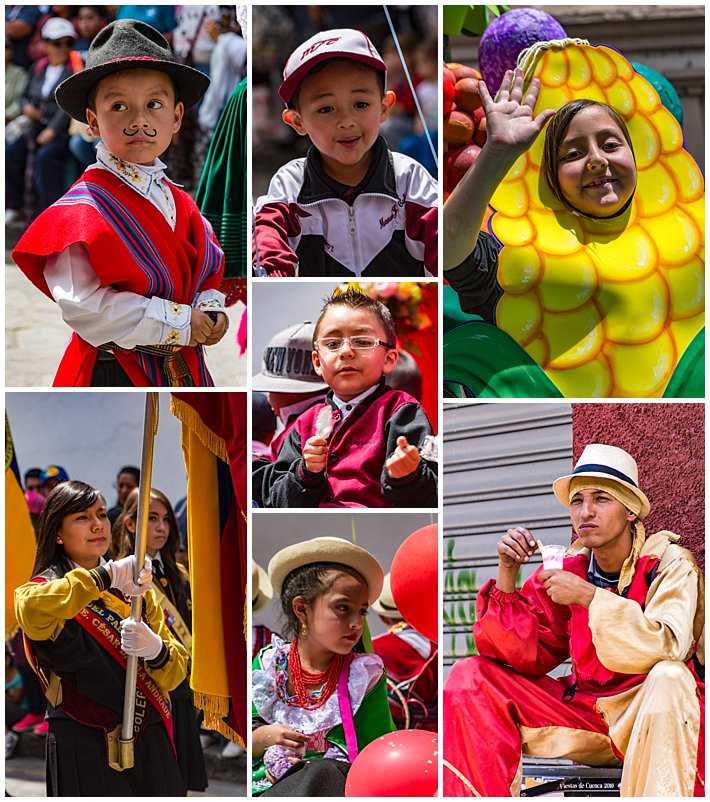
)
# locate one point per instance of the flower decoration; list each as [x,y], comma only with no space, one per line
[403,299]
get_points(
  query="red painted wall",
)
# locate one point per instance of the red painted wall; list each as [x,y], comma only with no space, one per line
[667,440]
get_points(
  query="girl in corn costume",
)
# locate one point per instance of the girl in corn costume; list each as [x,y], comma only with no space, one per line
[604,290]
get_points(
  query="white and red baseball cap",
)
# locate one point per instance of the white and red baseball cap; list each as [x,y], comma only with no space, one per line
[336,43]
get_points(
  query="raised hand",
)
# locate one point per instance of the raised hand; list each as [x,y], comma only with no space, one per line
[405,459]
[511,129]
[510,122]
[514,549]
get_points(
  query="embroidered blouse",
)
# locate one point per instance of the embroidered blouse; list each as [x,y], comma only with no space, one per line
[365,672]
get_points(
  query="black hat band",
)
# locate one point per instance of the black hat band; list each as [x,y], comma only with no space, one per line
[605,469]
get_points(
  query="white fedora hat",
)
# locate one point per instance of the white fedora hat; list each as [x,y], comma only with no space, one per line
[327,550]
[386,605]
[604,462]
[261,591]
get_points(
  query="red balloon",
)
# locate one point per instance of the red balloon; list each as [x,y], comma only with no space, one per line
[403,763]
[414,577]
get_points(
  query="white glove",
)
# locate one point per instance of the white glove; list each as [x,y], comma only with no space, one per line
[121,572]
[138,639]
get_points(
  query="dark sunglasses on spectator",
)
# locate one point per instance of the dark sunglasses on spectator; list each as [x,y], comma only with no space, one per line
[61,42]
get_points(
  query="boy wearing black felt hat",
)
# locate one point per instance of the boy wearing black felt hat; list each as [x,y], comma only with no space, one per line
[128,257]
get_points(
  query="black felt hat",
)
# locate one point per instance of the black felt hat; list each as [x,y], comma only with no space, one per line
[121,45]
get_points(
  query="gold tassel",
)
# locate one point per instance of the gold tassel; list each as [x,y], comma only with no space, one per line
[216,708]
[177,371]
[186,414]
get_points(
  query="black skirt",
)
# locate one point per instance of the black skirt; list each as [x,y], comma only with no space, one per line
[324,777]
[77,764]
[186,733]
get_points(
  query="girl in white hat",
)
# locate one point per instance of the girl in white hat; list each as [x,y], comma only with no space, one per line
[316,699]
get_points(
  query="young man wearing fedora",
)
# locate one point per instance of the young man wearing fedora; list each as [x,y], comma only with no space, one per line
[627,610]
[128,257]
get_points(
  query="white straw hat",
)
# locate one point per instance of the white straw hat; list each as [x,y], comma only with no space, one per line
[386,605]
[261,591]
[605,462]
[327,550]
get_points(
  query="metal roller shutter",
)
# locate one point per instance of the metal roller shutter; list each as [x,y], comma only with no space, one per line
[499,463]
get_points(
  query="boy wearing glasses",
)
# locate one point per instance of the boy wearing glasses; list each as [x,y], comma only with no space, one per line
[361,446]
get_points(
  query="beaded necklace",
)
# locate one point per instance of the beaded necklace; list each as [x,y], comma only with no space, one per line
[328,679]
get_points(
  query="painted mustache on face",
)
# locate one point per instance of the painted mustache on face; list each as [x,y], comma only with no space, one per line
[146,133]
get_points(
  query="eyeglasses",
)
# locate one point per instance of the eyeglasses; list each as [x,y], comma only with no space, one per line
[60,42]
[334,344]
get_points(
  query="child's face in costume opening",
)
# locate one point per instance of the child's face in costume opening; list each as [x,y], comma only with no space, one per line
[600,520]
[341,108]
[85,535]
[336,618]
[349,372]
[596,168]
[136,114]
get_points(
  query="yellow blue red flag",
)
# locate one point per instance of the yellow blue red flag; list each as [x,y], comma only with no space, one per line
[20,541]
[214,448]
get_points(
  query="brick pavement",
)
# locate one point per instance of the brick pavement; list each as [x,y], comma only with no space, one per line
[36,336]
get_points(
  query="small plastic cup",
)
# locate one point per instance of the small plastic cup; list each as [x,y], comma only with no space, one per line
[553,556]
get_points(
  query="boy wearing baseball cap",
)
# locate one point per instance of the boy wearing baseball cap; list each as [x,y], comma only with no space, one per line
[128,257]
[352,207]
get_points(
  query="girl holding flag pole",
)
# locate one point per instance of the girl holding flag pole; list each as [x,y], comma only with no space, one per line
[74,615]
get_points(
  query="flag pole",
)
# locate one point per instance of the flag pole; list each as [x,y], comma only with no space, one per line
[124,744]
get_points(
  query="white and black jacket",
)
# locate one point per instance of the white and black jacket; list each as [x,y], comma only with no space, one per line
[310,225]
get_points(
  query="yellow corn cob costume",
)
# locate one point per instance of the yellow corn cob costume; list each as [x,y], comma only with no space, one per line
[605,307]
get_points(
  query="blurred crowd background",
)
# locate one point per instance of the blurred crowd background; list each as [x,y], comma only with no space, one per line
[45,151]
